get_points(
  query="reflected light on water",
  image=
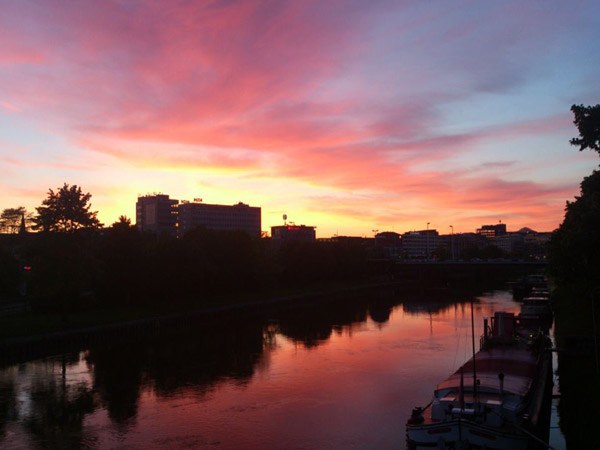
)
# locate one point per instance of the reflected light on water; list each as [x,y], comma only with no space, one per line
[343,376]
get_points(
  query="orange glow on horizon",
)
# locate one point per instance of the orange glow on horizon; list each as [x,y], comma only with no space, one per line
[324,112]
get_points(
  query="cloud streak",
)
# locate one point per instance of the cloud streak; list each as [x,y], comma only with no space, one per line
[345,96]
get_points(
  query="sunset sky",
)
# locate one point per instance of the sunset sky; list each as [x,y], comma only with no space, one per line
[352,116]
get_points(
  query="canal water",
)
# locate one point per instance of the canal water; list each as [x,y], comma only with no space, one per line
[334,373]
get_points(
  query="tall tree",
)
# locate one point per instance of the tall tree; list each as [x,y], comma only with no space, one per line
[573,253]
[10,219]
[587,119]
[66,210]
[574,263]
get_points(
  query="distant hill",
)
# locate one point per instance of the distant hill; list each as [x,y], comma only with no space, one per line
[526,230]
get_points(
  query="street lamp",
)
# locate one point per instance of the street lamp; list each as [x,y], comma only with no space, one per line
[452,241]
[427,236]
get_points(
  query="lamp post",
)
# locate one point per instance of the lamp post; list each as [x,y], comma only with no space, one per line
[427,236]
[452,241]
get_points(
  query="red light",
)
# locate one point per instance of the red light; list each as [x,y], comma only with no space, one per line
[27,268]
[293,228]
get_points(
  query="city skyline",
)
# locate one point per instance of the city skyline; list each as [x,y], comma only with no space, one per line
[351,116]
[177,204]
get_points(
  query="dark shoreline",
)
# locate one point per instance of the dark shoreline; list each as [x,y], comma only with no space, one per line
[579,378]
[12,348]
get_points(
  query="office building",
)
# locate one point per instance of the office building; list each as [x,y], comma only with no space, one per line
[509,242]
[156,213]
[421,244]
[219,217]
[462,244]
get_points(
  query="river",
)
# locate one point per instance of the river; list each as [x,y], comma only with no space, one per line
[335,373]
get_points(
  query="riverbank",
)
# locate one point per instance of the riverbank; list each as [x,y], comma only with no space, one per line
[31,326]
[35,322]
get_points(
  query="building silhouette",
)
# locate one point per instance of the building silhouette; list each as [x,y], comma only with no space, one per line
[293,233]
[420,244]
[160,214]
[388,244]
[156,213]
[491,231]
[219,217]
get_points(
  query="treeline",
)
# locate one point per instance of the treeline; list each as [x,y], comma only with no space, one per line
[575,246]
[574,263]
[574,256]
[91,268]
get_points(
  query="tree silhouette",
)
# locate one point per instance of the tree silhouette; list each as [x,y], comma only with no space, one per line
[573,255]
[66,210]
[10,219]
[574,263]
[123,224]
[587,119]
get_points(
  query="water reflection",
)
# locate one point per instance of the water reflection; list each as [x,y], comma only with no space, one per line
[167,363]
[7,400]
[338,373]
[48,404]
[314,326]
[57,412]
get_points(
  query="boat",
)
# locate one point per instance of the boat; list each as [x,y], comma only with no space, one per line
[538,306]
[524,287]
[536,311]
[494,401]
[540,291]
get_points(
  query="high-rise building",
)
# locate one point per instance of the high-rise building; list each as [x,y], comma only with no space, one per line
[219,217]
[156,213]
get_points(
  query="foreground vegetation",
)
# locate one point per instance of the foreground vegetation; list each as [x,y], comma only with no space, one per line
[575,266]
[574,259]
[93,276]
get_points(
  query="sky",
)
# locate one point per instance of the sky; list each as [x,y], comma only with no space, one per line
[351,116]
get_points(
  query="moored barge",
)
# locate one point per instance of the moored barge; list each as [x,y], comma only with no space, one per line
[494,401]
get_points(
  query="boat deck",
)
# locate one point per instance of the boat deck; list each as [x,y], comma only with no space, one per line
[428,421]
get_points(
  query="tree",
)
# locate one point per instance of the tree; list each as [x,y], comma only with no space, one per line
[10,219]
[123,224]
[574,263]
[574,256]
[587,119]
[66,210]
[573,253]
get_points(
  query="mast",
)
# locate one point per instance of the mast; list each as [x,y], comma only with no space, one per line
[474,362]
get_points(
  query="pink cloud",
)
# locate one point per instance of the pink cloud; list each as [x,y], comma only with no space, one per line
[43,165]
[282,89]
[10,107]
[16,50]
